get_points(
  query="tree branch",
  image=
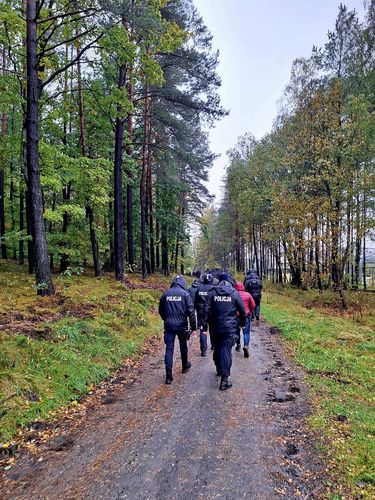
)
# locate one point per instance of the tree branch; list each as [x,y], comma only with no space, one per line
[67,14]
[44,52]
[72,62]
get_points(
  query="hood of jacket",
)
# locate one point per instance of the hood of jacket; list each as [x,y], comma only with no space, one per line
[239,287]
[179,282]
[195,284]
[225,288]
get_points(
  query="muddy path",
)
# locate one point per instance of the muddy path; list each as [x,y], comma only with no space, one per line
[146,440]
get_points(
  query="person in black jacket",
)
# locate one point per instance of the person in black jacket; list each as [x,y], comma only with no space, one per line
[220,313]
[253,284]
[175,308]
[193,289]
[201,296]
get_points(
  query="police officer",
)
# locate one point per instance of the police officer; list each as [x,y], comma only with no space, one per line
[220,313]
[175,308]
[201,297]
[195,285]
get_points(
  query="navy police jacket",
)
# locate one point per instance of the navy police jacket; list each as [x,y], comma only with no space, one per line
[221,308]
[193,289]
[201,297]
[176,306]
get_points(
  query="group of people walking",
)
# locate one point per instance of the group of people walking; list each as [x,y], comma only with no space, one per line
[218,307]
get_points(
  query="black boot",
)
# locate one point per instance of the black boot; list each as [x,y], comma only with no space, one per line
[246,351]
[203,354]
[225,384]
[186,368]
[169,379]
[238,347]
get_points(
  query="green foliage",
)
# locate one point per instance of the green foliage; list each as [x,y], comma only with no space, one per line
[83,95]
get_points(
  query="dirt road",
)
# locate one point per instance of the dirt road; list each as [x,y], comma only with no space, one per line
[189,440]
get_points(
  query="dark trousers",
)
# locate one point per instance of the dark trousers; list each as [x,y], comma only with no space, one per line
[256,311]
[223,354]
[203,339]
[169,338]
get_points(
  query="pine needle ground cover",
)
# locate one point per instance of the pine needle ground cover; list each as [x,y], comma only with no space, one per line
[338,355]
[52,350]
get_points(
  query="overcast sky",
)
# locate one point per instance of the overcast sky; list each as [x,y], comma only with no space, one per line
[258,40]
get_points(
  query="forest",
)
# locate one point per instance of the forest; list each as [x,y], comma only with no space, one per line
[298,204]
[105,109]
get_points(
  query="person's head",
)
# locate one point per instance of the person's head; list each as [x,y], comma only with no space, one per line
[179,281]
[250,271]
[207,278]
[197,274]
[224,277]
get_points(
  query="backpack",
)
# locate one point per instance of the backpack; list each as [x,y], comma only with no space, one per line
[253,286]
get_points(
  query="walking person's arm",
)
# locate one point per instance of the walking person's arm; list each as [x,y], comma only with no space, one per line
[191,313]
[240,309]
[161,307]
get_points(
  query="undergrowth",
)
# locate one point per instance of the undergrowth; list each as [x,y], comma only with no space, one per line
[338,355]
[53,349]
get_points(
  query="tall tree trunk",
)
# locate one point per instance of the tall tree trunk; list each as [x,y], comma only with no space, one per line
[261,252]
[182,267]
[21,251]
[129,187]
[335,268]
[83,137]
[237,245]
[64,259]
[12,197]
[164,249]
[279,266]
[157,236]
[317,255]
[30,241]
[364,242]
[358,243]
[42,269]
[143,184]
[151,209]
[255,250]
[94,243]
[118,194]
[177,249]
[2,173]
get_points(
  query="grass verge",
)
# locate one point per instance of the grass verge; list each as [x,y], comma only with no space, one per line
[338,355]
[53,349]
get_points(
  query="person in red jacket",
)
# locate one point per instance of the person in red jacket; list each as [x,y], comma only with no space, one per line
[249,306]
